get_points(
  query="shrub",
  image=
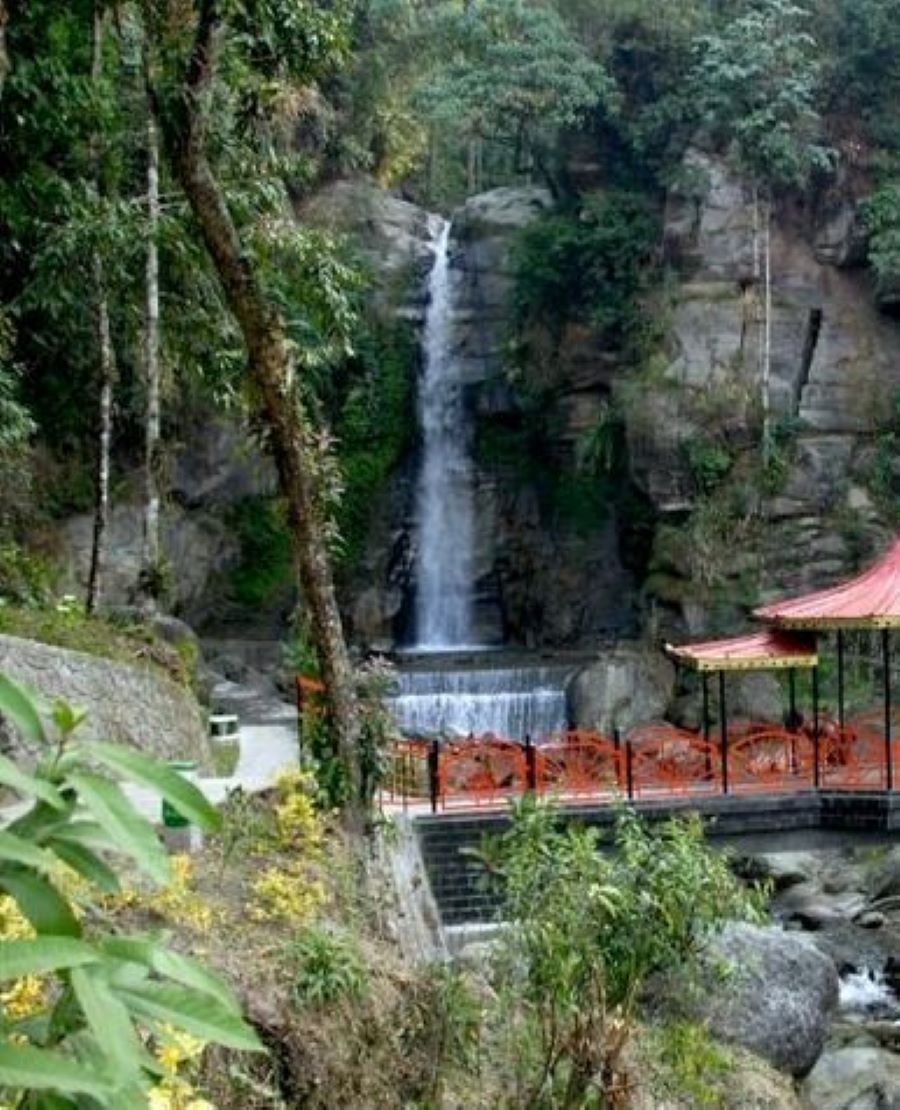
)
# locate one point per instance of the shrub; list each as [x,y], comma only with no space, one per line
[586,931]
[83,1005]
[328,967]
[588,265]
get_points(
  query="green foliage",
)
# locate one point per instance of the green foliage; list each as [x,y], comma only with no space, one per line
[265,566]
[66,625]
[589,265]
[25,577]
[374,429]
[693,1066]
[514,72]
[588,928]
[710,462]
[881,216]
[328,967]
[94,997]
[756,82]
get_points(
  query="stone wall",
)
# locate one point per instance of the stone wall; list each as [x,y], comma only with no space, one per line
[130,704]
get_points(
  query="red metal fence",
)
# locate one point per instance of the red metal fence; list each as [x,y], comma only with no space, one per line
[652,762]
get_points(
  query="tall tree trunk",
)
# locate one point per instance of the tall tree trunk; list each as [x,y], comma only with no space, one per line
[104,438]
[271,367]
[150,556]
[105,375]
[767,339]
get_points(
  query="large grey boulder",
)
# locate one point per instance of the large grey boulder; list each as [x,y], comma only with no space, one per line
[854,1079]
[769,991]
[627,687]
[134,705]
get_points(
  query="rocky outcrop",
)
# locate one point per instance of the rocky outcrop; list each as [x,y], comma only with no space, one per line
[130,704]
[834,363]
[776,997]
[626,687]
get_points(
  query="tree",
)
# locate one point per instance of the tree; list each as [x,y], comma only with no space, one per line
[756,84]
[516,75]
[151,553]
[106,358]
[274,41]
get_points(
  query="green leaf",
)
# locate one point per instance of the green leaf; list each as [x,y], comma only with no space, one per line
[40,902]
[130,832]
[29,1068]
[26,784]
[21,709]
[86,833]
[195,1013]
[182,795]
[109,1020]
[43,954]
[172,965]
[13,849]
[87,863]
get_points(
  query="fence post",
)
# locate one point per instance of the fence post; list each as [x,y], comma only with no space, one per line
[434,759]
[723,731]
[629,770]
[530,764]
[815,701]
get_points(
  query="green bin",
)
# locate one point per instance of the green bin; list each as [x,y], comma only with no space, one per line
[171,818]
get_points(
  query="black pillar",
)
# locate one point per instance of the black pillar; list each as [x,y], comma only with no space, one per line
[434,785]
[530,765]
[723,732]
[706,706]
[792,698]
[815,708]
[886,661]
[840,678]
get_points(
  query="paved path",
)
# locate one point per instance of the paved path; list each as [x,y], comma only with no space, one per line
[268,744]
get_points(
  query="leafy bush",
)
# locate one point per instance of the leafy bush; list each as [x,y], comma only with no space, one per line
[374,429]
[266,564]
[328,967]
[25,578]
[589,265]
[587,929]
[89,1002]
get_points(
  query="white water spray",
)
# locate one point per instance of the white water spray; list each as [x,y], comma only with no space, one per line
[444,508]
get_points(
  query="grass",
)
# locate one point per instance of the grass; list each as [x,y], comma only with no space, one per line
[123,642]
[225,756]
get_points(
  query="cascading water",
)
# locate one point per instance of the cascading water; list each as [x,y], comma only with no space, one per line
[513,702]
[450,699]
[444,508]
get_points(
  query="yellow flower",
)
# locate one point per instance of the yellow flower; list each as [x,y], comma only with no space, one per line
[24,998]
[287,894]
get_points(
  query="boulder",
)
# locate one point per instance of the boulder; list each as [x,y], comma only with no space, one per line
[757,697]
[771,992]
[627,687]
[135,705]
[854,1078]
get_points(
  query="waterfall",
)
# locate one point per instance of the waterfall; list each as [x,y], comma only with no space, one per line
[444,506]
[512,702]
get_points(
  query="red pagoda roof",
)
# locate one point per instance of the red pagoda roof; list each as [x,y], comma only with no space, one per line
[758,651]
[871,600]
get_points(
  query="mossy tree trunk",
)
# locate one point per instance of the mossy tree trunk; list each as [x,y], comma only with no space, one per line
[272,370]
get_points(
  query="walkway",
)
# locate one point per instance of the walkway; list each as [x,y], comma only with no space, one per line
[268,744]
